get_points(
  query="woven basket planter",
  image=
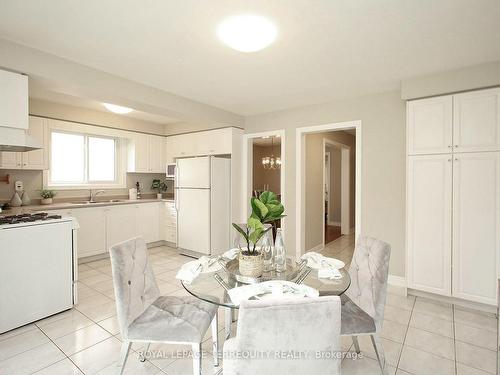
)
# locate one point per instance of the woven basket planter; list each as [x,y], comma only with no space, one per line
[251,265]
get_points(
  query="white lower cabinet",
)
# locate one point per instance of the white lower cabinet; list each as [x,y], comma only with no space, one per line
[453,225]
[476,225]
[121,223]
[91,236]
[148,221]
[429,223]
[169,222]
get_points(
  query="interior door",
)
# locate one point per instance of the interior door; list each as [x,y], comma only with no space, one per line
[193,219]
[429,123]
[429,223]
[476,225]
[476,121]
[193,173]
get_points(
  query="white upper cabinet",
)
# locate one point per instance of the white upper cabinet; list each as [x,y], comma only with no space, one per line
[476,225]
[36,159]
[146,154]
[210,142]
[156,154]
[13,100]
[476,121]
[430,125]
[429,223]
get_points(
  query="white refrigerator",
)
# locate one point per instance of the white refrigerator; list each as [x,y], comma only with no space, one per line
[203,203]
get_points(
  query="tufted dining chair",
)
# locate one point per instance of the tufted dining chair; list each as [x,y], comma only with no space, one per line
[363,304]
[270,330]
[146,316]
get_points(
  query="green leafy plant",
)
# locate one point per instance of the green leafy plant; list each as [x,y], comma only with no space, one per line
[46,193]
[159,186]
[266,209]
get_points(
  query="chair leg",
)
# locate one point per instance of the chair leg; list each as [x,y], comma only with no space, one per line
[356,344]
[228,318]
[197,359]
[142,357]
[215,339]
[123,356]
[379,352]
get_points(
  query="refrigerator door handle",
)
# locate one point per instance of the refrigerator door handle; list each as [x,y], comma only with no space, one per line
[177,200]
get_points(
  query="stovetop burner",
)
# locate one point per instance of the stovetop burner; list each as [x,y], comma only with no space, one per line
[27,218]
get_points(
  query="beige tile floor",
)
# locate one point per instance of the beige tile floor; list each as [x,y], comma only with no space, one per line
[419,336]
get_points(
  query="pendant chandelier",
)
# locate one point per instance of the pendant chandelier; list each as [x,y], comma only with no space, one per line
[271,162]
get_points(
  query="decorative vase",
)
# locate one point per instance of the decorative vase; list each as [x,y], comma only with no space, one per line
[25,199]
[251,265]
[159,196]
[16,200]
[46,201]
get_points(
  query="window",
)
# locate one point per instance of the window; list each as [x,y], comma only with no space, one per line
[82,159]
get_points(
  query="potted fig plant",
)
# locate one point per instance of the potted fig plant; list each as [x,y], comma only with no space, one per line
[159,186]
[266,209]
[47,196]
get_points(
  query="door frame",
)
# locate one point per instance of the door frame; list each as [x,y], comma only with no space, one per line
[247,168]
[345,184]
[327,156]
[300,171]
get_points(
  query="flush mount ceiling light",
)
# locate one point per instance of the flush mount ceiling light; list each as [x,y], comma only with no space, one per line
[247,32]
[117,108]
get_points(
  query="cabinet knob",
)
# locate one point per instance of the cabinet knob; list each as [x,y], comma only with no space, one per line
[449,159]
[450,146]
[456,159]
[456,146]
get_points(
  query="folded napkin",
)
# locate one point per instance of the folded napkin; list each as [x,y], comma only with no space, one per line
[328,268]
[191,270]
[271,289]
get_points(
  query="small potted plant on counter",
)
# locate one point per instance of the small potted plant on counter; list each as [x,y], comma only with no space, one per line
[160,187]
[47,196]
[266,209]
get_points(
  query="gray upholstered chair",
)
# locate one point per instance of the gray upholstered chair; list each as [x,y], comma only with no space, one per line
[145,316]
[363,304]
[268,327]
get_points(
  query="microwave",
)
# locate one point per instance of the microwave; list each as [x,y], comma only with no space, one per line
[171,170]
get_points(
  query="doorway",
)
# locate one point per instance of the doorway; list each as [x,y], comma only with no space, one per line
[312,212]
[264,168]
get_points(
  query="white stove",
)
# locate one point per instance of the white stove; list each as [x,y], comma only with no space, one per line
[38,267]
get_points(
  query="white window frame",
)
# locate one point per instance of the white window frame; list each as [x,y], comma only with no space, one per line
[120,158]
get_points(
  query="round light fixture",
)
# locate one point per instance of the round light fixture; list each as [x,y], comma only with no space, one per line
[247,32]
[117,108]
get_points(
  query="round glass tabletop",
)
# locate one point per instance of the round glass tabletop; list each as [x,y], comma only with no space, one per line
[212,286]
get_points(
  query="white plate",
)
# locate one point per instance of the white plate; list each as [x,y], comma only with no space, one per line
[338,264]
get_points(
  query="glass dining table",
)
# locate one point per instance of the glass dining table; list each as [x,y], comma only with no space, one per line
[213,287]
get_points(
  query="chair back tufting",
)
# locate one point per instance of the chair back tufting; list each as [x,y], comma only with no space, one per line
[133,279]
[369,271]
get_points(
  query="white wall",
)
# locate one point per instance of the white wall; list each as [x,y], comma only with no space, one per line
[383,162]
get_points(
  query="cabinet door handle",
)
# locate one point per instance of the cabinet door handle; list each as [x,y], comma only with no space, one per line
[449,159]
[456,159]
[456,146]
[450,146]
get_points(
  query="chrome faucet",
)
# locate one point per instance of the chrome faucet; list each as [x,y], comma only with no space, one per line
[94,194]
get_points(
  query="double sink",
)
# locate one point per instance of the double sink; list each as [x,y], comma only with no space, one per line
[101,202]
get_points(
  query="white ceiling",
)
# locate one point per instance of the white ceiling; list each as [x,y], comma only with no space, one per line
[326,49]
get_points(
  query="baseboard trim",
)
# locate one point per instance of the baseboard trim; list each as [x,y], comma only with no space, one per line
[454,300]
[397,285]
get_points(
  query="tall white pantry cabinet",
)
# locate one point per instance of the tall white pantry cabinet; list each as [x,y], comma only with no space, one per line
[453,195]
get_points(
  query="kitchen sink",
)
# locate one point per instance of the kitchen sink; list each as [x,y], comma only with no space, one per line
[108,201]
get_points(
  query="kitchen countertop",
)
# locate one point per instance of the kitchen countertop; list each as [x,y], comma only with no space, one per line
[73,205]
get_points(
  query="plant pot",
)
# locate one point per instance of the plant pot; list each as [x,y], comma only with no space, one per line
[251,265]
[159,196]
[46,201]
